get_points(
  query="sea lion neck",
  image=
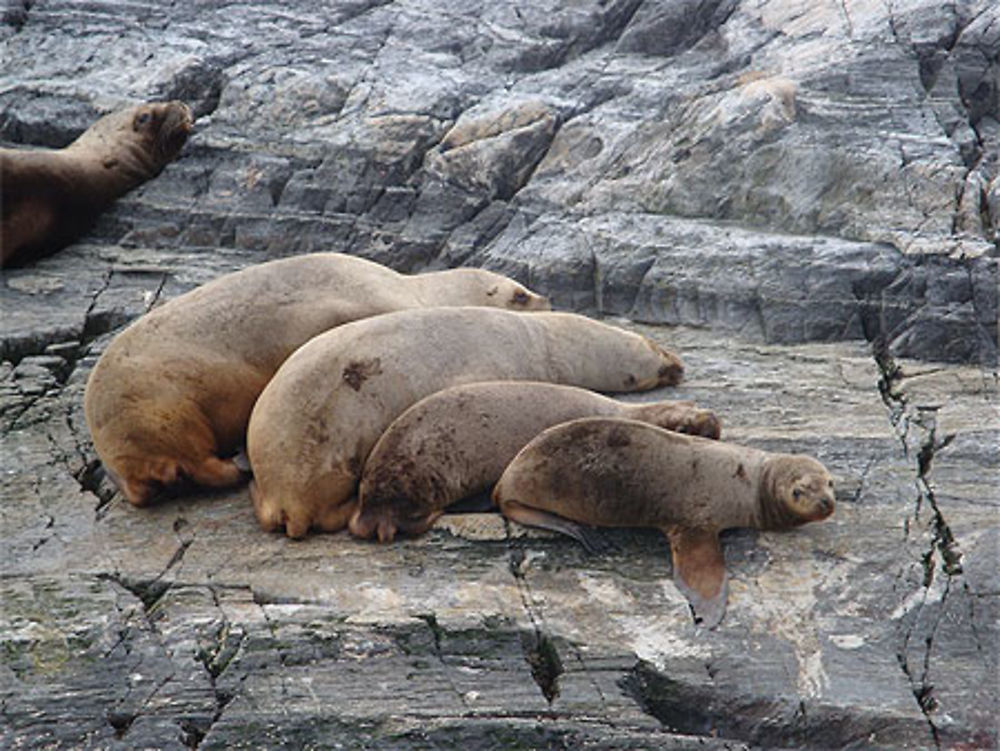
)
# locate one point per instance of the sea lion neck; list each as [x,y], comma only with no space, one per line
[117,167]
[128,153]
[742,509]
[772,512]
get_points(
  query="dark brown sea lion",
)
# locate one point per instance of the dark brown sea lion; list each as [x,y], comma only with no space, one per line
[49,197]
[171,396]
[457,442]
[614,472]
[318,418]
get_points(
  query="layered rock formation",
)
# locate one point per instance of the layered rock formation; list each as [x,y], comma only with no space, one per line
[807,195]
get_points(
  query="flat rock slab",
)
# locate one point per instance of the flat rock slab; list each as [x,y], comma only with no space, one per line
[184,624]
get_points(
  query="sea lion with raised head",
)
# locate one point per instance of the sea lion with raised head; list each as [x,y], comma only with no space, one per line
[456,443]
[51,196]
[614,472]
[314,424]
[171,396]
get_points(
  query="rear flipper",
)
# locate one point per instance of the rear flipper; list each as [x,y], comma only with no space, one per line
[215,472]
[700,572]
[590,537]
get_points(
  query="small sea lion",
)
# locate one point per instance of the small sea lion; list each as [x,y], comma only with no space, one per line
[457,442]
[171,396]
[314,424]
[49,197]
[615,472]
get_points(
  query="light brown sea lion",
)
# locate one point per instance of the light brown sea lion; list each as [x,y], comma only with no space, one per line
[318,418]
[457,442]
[172,394]
[614,472]
[51,196]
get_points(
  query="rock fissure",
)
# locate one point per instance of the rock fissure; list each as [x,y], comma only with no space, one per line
[916,428]
[228,641]
[943,539]
[272,628]
[539,649]
[437,633]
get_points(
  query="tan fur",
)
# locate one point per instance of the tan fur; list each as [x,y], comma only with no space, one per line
[318,418]
[50,196]
[615,472]
[457,442]
[171,396]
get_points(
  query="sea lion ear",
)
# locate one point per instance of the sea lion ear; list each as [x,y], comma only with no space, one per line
[700,572]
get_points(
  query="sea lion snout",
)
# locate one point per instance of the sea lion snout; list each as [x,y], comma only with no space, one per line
[363,524]
[671,370]
[812,497]
[387,519]
[168,123]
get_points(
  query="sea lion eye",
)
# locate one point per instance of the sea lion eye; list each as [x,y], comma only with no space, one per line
[797,494]
[140,120]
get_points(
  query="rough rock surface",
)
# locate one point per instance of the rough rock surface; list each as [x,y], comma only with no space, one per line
[806,192]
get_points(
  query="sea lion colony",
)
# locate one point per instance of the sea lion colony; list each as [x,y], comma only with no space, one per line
[363,356]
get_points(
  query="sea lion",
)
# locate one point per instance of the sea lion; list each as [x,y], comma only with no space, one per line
[457,442]
[51,196]
[615,472]
[318,418]
[172,394]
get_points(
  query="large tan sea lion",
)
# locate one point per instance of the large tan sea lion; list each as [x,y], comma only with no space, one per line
[614,472]
[51,196]
[318,418]
[457,442]
[171,396]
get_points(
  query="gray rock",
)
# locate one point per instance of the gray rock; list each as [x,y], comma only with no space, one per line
[802,200]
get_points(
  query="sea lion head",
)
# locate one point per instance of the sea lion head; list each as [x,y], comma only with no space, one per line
[397,498]
[163,127]
[145,137]
[670,372]
[795,489]
[487,288]
[680,417]
[142,479]
[386,519]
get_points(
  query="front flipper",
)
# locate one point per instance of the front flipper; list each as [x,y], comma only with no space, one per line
[589,537]
[700,572]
